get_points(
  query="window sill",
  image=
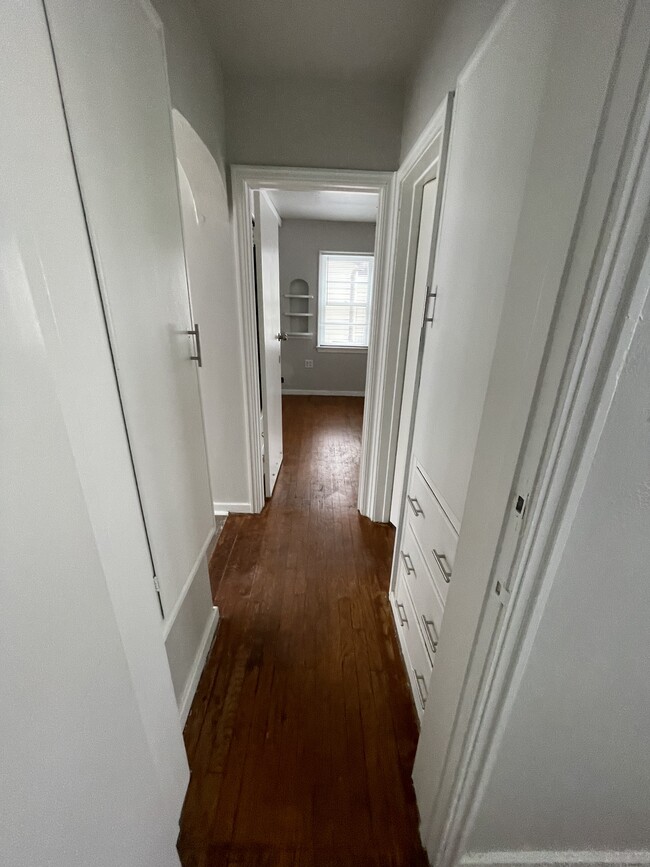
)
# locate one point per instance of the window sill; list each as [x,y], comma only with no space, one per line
[353,349]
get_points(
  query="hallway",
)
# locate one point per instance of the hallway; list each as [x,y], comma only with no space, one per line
[302,734]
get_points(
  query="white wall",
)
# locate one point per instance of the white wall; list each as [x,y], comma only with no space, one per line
[457,26]
[195,78]
[313,123]
[573,771]
[300,243]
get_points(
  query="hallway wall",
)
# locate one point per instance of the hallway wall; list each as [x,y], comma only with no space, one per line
[313,123]
[300,243]
[457,26]
[575,774]
[195,78]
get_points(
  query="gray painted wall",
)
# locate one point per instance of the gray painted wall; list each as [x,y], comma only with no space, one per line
[300,243]
[573,771]
[195,78]
[313,123]
[456,29]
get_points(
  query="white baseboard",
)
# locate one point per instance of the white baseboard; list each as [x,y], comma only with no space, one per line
[323,393]
[227,508]
[561,858]
[197,666]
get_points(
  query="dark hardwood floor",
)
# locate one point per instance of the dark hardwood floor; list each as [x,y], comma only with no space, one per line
[302,734]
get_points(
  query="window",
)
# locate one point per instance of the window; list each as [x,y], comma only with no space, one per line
[344,293]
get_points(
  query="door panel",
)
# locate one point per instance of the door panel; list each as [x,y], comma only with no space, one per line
[495,118]
[268,311]
[111,63]
[423,258]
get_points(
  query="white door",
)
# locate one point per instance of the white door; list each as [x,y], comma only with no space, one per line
[111,63]
[267,267]
[210,267]
[492,134]
[423,262]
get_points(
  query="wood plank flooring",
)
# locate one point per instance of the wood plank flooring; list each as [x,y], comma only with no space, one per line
[302,734]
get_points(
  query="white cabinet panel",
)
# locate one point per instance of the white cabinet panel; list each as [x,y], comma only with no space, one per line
[417,659]
[428,604]
[111,64]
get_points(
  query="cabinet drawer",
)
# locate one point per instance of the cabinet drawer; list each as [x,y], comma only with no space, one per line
[428,605]
[415,654]
[433,530]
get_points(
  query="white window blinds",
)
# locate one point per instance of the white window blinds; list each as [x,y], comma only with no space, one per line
[344,294]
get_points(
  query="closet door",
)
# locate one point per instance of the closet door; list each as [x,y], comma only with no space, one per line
[495,116]
[423,257]
[111,64]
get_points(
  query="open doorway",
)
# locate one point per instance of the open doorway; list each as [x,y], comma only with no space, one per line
[314,255]
[313,288]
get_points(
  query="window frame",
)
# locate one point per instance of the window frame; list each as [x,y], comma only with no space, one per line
[331,347]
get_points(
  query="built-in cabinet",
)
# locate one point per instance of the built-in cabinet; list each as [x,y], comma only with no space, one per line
[423,572]
[455,338]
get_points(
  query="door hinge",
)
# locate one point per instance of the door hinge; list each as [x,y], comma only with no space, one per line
[156,583]
[430,304]
[502,593]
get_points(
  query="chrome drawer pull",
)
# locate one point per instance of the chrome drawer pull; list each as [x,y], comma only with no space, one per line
[417,508]
[408,563]
[422,687]
[430,631]
[197,337]
[446,573]
[403,619]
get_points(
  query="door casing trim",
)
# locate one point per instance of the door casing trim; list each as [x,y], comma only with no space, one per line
[374,479]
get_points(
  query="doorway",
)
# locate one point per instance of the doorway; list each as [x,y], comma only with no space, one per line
[267,196]
[314,254]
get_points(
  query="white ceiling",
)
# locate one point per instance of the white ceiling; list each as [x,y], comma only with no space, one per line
[338,205]
[344,39]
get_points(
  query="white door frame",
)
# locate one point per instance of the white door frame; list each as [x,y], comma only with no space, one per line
[591,332]
[429,153]
[375,484]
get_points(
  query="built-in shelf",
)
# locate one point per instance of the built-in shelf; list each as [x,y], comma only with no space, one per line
[297,308]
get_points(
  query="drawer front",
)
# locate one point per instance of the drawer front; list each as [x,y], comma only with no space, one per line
[415,654]
[433,530]
[426,599]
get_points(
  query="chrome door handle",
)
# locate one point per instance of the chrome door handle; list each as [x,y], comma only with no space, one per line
[417,508]
[408,563]
[197,337]
[282,335]
[446,573]
[422,687]
[403,619]
[428,317]
[430,631]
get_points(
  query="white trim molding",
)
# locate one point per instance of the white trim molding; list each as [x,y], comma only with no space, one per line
[194,676]
[425,161]
[374,480]
[559,858]
[221,509]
